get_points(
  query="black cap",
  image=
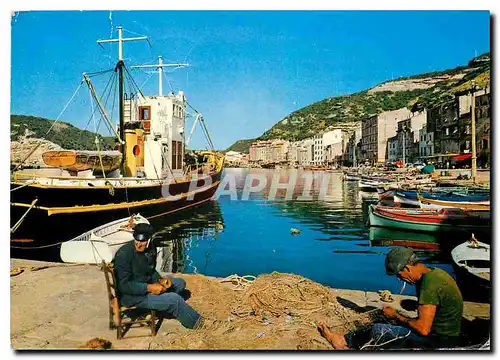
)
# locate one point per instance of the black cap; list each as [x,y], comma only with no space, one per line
[143,232]
[397,259]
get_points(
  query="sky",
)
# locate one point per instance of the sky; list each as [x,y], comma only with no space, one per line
[248,69]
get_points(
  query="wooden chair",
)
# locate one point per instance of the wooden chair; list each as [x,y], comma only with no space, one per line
[123,318]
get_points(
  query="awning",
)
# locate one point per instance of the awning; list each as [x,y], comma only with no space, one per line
[462,157]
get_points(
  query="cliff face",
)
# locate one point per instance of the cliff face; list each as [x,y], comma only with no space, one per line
[414,92]
[27,132]
[20,149]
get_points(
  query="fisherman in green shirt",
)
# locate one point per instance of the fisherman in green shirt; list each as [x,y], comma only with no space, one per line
[440,309]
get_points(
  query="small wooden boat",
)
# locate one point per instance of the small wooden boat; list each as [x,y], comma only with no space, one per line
[369,186]
[439,204]
[385,194]
[350,177]
[471,261]
[414,198]
[316,167]
[430,220]
[100,243]
[405,197]
[80,160]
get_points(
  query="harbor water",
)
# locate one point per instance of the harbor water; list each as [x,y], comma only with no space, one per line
[249,232]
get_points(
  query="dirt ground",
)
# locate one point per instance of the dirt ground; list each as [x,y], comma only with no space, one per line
[60,306]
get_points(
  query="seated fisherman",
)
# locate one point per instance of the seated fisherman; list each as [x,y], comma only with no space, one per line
[440,309]
[140,285]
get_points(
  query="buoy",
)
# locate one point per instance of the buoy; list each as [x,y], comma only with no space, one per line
[294,231]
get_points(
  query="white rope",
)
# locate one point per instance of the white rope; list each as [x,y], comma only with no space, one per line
[66,106]
[19,187]
[16,226]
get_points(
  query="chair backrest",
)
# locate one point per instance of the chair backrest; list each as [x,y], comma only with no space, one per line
[113,300]
[109,274]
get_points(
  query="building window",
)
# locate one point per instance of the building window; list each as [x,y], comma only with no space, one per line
[144,112]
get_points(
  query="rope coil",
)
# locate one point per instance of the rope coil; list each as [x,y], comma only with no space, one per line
[240,282]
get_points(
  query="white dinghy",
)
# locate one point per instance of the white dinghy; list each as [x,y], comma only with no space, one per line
[100,243]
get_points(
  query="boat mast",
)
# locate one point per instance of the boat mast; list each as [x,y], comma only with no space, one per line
[160,67]
[119,67]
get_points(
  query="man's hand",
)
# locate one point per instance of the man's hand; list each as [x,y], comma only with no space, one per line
[390,312]
[155,289]
[165,283]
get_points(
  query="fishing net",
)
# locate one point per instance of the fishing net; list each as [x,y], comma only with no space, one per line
[276,311]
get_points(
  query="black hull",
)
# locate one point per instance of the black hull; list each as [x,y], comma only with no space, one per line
[87,196]
[39,234]
[473,288]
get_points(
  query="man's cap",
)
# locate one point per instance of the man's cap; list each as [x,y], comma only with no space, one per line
[143,232]
[397,259]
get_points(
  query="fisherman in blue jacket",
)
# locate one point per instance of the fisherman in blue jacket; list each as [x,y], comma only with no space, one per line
[140,285]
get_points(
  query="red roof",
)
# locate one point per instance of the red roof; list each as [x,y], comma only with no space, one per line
[462,157]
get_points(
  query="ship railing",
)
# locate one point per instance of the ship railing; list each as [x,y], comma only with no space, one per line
[80,181]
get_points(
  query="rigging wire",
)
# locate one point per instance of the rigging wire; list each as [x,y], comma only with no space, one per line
[53,124]
[131,79]
[114,90]
[203,126]
[168,82]
[110,81]
[149,77]
[102,72]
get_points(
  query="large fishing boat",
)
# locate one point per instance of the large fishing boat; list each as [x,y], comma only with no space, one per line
[82,190]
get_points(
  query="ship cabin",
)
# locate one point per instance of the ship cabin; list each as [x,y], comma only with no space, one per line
[154,136]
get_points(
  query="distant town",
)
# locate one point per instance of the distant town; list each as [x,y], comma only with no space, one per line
[441,135]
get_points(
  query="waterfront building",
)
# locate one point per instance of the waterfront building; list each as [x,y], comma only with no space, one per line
[426,143]
[318,150]
[268,151]
[392,146]
[483,119]
[234,158]
[376,130]
[353,148]
[409,133]
[334,143]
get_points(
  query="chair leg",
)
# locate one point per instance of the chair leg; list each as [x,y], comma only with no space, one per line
[153,323]
[119,332]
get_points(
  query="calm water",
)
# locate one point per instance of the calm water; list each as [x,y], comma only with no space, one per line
[334,247]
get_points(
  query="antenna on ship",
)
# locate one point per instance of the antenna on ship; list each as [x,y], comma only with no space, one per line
[160,67]
[119,67]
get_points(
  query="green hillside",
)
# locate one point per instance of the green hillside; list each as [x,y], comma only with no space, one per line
[63,134]
[241,145]
[390,95]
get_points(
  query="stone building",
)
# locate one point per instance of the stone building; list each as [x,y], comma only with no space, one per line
[426,144]
[376,130]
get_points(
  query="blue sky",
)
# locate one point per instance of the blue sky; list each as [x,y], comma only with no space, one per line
[249,68]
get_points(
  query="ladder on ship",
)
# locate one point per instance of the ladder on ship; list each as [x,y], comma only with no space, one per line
[127,110]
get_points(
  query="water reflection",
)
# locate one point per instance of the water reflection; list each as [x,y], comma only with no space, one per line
[335,247]
[178,233]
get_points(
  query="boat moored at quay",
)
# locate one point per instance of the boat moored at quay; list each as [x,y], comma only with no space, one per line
[148,174]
